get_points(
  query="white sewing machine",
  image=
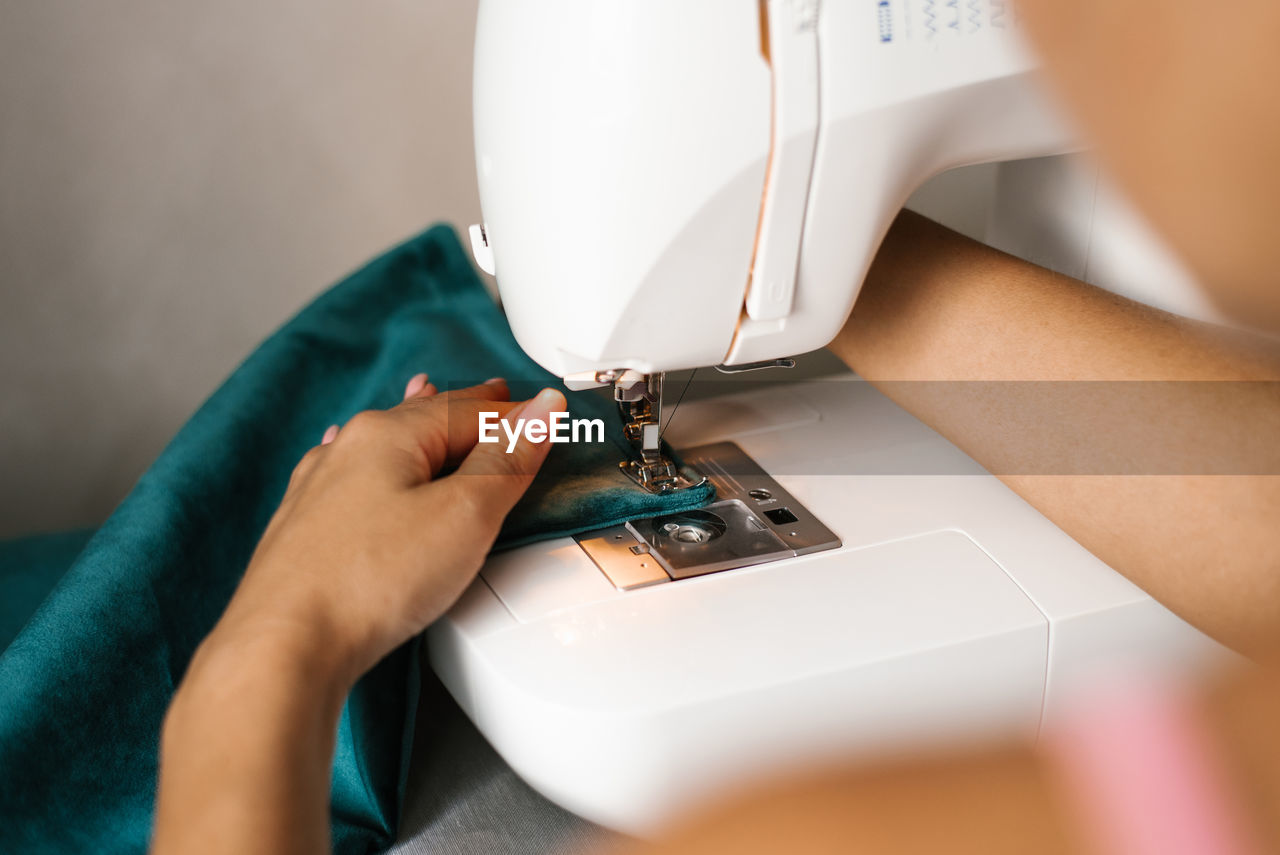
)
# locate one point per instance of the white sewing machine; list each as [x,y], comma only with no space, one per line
[670,184]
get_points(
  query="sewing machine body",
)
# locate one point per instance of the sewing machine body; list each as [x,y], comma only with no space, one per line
[671,185]
[951,609]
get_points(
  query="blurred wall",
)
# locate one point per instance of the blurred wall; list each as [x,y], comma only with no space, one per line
[176,179]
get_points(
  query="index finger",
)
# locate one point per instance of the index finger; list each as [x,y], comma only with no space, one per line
[495,389]
[446,426]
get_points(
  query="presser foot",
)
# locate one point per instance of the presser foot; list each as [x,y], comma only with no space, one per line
[639,398]
[661,475]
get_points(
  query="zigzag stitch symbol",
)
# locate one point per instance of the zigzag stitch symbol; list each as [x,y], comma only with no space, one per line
[998,12]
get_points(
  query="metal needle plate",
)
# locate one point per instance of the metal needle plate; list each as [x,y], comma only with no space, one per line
[753,521]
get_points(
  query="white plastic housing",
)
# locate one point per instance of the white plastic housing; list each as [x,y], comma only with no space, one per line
[621,152]
[670,184]
[908,89]
[953,610]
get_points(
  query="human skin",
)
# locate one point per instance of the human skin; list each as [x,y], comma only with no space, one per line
[361,556]
[1181,109]
[1149,438]
[1000,799]
[1179,100]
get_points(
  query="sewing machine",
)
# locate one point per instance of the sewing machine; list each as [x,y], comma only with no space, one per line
[668,185]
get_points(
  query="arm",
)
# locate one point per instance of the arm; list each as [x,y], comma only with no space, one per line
[360,557]
[247,748]
[1169,480]
[987,800]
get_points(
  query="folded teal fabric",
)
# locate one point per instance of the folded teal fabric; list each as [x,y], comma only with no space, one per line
[84,685]
[29,568]
[581,486]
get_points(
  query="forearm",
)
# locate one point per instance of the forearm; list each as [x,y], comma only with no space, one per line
[998,799]
[1169,480]
[247,748]
[359,558]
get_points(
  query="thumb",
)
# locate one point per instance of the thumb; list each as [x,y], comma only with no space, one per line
[494,478]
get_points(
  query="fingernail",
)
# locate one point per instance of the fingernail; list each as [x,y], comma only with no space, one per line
[543,403]
[330,434]
[415,385]
[492,381]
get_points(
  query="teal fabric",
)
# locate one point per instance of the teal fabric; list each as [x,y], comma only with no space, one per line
[29,568]
[84,686]
[581,486]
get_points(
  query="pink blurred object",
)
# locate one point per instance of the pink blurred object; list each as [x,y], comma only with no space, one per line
[1146,777]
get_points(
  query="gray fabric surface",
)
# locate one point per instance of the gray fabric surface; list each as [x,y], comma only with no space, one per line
[463,799]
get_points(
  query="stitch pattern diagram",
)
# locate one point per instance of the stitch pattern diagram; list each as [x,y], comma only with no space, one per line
[998,13]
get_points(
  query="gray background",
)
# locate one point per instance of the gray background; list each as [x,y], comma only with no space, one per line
[177,178]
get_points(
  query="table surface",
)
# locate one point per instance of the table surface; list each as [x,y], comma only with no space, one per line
[463,799]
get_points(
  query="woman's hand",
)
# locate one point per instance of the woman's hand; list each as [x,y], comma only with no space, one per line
[371,543]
